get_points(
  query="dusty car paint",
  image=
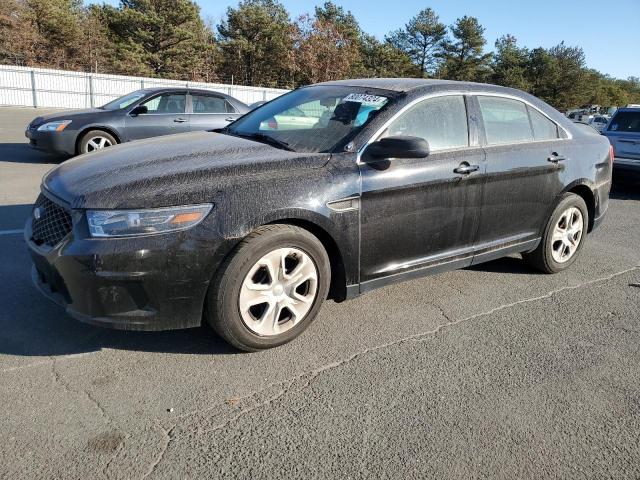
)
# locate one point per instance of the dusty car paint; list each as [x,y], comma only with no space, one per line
[381,222]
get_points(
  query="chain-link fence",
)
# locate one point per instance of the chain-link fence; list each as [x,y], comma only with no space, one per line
[40,87]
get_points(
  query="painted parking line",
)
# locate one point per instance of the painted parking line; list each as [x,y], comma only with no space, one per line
[11,232]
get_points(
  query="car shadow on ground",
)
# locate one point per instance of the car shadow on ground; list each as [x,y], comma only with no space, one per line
[625,191]
[39,328]
[512,264]
[24,153]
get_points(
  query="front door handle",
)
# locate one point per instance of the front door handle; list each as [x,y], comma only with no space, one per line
[466,169]
[555,158]
[229,119]
[179,120]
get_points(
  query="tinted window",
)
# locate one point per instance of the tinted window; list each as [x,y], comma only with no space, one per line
[441,121]
[625,122]
[543,128]
[166,103]
[505,120]
[210,104]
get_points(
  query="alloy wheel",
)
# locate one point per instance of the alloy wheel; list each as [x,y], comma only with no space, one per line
[278,291]
[567,235]
[98,143]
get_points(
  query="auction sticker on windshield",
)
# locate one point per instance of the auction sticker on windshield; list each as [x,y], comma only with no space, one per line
[365,98]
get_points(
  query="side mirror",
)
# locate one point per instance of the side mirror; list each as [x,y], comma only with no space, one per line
[139,110]
[399,146]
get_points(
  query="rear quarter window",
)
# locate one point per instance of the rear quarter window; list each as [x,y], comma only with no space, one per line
[628,122]
[543,128]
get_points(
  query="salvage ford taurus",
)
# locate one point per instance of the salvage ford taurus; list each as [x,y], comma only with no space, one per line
[252,227]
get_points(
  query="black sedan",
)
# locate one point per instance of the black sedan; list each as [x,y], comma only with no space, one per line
[141,114]
[331,190]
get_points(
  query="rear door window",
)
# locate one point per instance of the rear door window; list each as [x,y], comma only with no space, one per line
[210,104]
[505,120]
[543,128]
[441,121]
[625,122]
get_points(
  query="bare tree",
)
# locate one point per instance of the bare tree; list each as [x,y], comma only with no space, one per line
[323,51]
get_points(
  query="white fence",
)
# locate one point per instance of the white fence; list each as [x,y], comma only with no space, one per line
[40,87]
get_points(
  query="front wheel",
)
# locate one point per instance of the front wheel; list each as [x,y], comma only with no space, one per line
[96,140]
[563,236]
[270,288]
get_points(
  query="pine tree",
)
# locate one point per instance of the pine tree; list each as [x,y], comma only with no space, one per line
[257,43]
[383,59]
[422,39]
[163,38]
[464,55]
[510,63]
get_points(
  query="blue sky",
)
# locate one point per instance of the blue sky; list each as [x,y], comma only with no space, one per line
[609,32]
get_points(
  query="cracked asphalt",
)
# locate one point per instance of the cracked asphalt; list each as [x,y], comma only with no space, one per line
[490,372]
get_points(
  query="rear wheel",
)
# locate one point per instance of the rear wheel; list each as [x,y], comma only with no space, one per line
[96,140]
[270,289]
[563,236]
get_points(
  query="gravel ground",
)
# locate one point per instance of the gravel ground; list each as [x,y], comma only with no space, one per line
[493,371]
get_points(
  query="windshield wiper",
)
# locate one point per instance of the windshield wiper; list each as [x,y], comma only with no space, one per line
[261,137]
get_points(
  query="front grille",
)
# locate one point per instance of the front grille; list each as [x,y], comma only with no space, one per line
[51,222]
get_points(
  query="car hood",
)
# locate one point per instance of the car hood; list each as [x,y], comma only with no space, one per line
[172,170]
[67,115]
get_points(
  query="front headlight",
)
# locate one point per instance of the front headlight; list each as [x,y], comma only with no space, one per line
[56,126]
[126,223]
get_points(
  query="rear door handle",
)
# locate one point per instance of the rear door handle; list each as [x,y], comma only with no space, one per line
[229,119]
[555,158]
[466,169]
[179,120]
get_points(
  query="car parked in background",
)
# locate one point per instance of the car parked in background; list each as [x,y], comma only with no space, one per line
[144,113]
[252,227]
[599,122]
[586,127]
[623,131]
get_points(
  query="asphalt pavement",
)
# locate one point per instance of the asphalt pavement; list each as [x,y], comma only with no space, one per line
[494,371]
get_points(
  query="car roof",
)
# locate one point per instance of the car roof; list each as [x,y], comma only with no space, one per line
[178,88]
[410,84]
[155,90]
[415,87]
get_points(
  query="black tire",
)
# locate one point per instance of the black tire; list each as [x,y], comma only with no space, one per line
[541,258]
[222,310]
[84,146]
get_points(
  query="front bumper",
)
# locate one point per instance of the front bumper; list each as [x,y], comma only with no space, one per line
[53,142]
[139,283]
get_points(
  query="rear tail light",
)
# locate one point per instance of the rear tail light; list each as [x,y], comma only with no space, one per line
[272,123]
[611,153]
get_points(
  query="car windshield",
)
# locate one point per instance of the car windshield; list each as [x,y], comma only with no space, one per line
[627,122]
[312,119]
[124,101]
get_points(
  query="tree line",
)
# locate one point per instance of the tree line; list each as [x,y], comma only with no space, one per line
[257,43]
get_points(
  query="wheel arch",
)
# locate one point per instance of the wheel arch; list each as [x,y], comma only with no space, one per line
[316,224]
[585,191]
[338,286]
[86,129]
